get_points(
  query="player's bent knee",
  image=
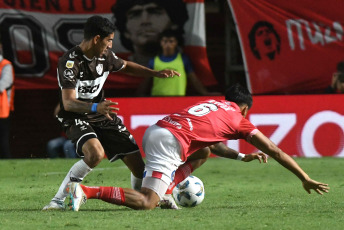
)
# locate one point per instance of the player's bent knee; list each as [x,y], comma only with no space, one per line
[143,202]
[147,204]
[153,189]
[93,152]
[150,206]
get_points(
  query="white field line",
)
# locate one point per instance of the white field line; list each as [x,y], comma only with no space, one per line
[96,169]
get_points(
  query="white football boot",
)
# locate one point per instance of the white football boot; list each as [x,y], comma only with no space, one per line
[77,196]
[55,205]
[167,202]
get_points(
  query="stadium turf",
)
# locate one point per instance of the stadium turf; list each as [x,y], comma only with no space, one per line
[238,196]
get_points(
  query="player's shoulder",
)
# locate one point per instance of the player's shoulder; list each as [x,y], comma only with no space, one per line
[71,58]
[111,55]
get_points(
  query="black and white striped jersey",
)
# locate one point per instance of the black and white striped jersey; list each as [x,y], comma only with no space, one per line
[86,76]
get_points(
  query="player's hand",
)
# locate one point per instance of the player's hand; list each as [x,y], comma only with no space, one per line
[261,157]
[315,185]
[167,73]
[105,108]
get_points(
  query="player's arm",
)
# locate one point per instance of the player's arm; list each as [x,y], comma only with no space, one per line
[264,144]
[134,69]
[71,104]
[220,149]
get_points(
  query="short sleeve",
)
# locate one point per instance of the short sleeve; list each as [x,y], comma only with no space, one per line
[67,72]
[246,129]
[115,63]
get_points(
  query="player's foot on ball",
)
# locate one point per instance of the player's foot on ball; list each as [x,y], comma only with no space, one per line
[167,202]
[77,196]
[55,205]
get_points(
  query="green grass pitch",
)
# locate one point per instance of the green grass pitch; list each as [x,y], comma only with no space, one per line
[238,196]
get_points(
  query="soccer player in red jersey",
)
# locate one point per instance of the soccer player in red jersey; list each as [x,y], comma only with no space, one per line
[171,141]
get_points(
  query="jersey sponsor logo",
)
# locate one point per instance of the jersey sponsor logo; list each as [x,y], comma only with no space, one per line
[99,69]
[172,122]
[88,89]
[70,64]
[68,74]
[72,55]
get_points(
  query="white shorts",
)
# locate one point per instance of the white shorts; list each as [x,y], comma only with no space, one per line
[163,156]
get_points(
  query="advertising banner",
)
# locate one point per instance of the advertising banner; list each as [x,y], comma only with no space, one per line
[36,33]
[289,47]
[302,126]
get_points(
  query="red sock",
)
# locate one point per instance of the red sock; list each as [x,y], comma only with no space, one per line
[91,192]
[182,172]
[113,195]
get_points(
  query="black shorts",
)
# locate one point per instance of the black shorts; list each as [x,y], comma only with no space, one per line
[112,134]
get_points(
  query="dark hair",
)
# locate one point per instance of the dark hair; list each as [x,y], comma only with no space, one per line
[239,94]
[176,10]
[97,25]
[340,67]
[170,33]
[252,36]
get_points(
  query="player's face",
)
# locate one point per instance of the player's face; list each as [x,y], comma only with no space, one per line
[266,41]
[168,45]
[145,23]
[103,45]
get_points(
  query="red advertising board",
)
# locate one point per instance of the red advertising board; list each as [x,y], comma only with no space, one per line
[289,47]
[303,126]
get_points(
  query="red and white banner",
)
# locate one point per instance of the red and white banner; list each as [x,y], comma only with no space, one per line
[303,126]
[36,33]
[289,47]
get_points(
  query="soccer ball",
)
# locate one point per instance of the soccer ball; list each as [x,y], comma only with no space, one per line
[189,192]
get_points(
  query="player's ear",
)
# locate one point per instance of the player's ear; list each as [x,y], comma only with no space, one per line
[96,39]
[244,110]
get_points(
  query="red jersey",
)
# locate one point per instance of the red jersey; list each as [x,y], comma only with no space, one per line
[206,123]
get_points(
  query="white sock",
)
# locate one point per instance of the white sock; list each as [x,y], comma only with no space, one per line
[135,182]
[76,173]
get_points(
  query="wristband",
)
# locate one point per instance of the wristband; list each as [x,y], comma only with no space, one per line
[240,156]
[94,107]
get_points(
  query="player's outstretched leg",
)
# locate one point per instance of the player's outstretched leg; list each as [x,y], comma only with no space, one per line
[144,200]
[77,173]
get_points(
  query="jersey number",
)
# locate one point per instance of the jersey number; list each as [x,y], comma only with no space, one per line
[202,109]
